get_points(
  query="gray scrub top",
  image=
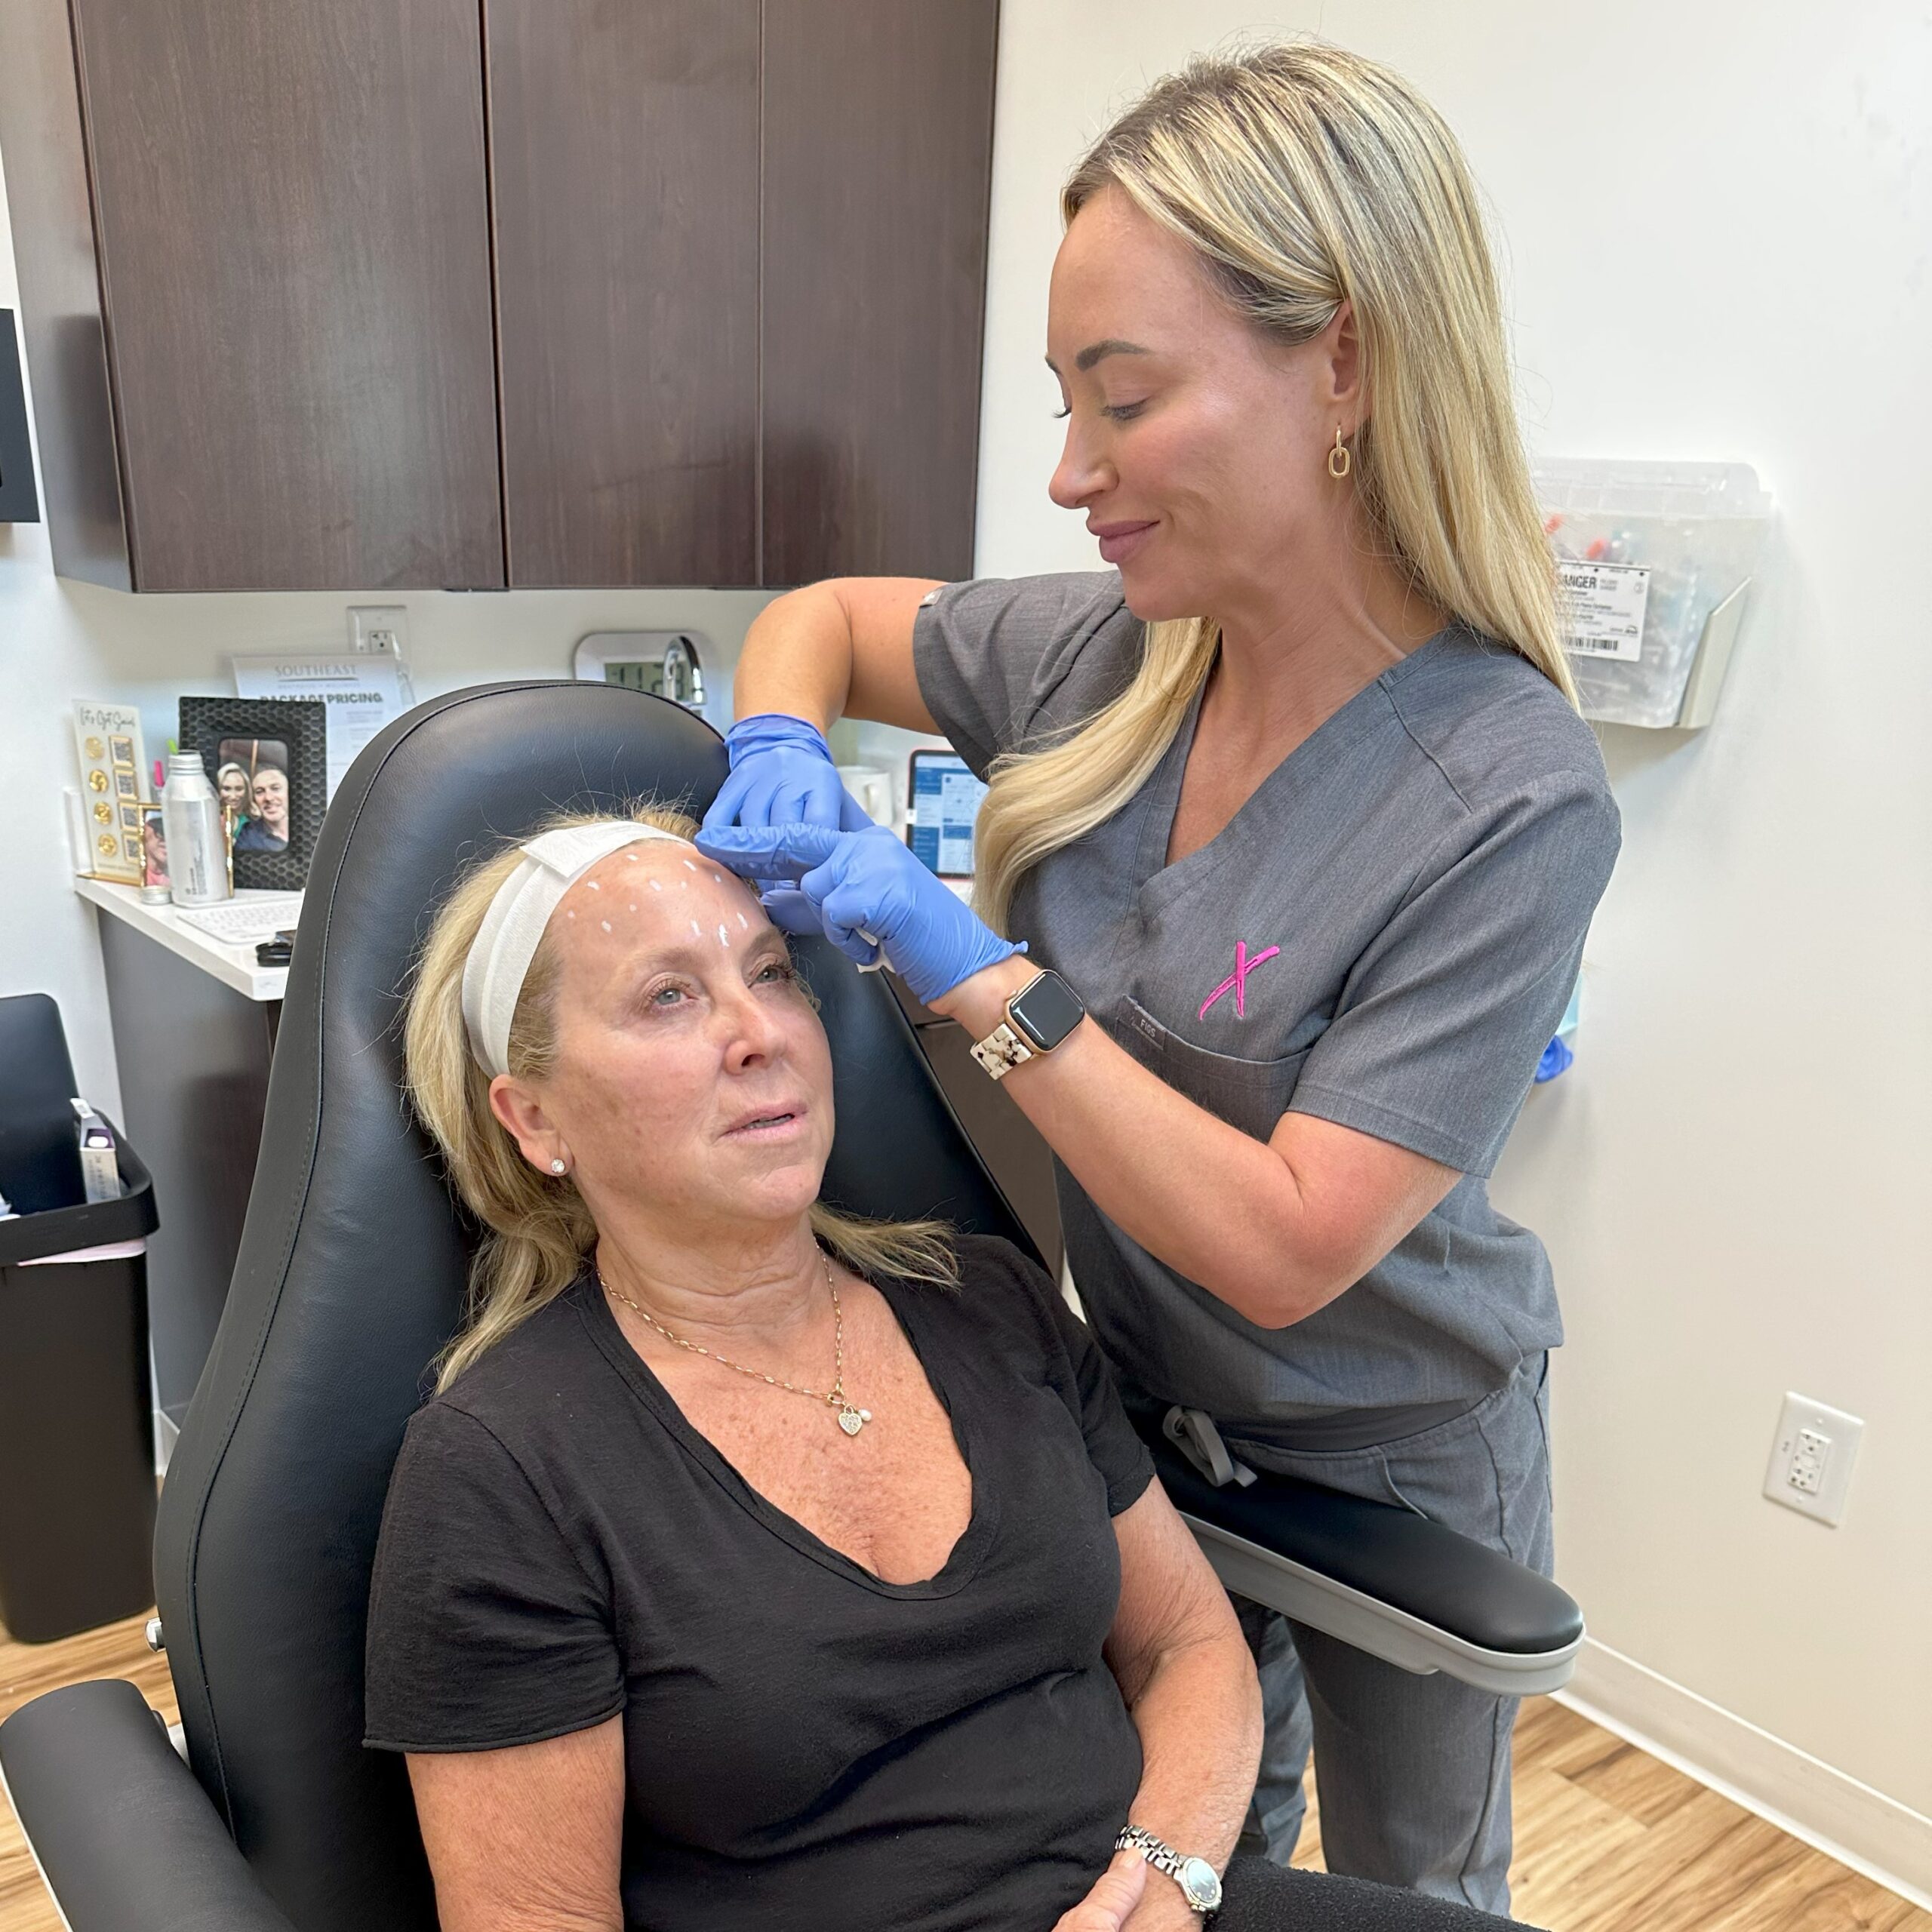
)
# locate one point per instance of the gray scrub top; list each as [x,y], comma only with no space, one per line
[1385,936]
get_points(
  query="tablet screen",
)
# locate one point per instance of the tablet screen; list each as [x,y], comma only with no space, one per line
[945,801]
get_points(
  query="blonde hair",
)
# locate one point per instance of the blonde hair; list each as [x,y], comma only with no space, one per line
[538,1233]
[1305,176]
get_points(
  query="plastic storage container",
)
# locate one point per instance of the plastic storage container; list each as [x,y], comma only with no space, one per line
[1656,558]
[77,1498]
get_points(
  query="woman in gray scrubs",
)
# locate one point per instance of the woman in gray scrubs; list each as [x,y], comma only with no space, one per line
[1294,800]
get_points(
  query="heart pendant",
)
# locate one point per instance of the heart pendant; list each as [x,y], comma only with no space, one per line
[852,1420]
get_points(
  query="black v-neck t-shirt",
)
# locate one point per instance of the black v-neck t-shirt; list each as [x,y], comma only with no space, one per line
[805,1745]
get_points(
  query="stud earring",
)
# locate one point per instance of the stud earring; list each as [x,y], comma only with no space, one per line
[1341,458]
[560,1166]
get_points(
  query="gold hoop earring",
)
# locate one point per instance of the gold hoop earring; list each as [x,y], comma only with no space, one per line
[1341,460]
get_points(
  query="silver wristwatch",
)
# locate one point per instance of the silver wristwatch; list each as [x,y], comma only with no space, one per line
[1200,1883]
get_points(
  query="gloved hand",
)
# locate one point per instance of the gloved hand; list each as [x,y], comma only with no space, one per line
[782,773]
[868,894]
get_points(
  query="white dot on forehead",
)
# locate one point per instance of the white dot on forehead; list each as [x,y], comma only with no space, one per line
[743,921]
[687,865]
[632,909]
[698,931]
[717,879]
[630,858]
[570,911]
[605,923]
[654,884]
[723,938]
[593,885]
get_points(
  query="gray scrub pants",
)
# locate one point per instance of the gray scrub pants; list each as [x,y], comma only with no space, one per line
[1414,1770]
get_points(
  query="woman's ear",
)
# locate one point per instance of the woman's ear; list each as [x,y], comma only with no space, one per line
[1342,372]
[522,1115]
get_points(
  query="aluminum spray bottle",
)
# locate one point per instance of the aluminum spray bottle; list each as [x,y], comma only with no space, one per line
[197,848]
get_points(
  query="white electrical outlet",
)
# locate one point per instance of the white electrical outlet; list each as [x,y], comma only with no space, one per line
[1811,1459]
[378,630]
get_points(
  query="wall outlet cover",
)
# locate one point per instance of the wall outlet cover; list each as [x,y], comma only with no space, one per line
[378,630]
[1812,1457]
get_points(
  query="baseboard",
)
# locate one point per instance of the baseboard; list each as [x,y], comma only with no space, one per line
[1886,1842]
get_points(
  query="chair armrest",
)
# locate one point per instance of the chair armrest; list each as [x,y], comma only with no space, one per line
[1384,1579]
[126,1839]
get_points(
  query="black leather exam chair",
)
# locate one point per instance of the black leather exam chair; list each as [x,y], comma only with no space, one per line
[351,1277]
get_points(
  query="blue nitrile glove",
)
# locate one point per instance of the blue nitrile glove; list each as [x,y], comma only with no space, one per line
[867,886]
[782,773]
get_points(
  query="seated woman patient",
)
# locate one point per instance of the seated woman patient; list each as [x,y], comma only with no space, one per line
[754,1566]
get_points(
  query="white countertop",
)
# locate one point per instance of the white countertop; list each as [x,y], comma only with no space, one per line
[233,965]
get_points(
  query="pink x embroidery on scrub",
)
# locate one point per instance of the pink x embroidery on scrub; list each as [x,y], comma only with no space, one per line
[1236,982]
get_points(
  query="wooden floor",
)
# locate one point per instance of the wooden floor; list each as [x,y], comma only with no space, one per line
[1607,1840]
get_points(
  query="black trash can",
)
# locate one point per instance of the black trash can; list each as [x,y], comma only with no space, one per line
[76,1433]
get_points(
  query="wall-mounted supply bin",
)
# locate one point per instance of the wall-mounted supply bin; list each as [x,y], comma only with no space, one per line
[1656,559]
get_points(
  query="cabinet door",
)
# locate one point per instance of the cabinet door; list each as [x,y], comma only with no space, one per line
[623,137]
[292,217]
[877,166]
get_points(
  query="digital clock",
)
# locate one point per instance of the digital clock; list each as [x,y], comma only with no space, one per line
[664,664]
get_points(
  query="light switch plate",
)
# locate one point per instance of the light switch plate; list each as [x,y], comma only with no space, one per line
[1811,1458]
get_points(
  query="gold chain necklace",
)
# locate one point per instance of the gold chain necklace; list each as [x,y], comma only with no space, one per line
[851,1418]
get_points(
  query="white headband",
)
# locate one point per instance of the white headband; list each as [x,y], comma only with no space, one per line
[512,929]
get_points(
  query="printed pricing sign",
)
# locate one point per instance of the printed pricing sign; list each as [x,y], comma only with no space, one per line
[1602,608]
[363,694]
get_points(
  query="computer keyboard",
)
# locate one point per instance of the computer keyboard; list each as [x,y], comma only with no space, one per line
[240,921]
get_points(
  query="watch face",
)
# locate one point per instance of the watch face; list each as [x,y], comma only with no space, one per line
[1047,1011]
[1200,1881]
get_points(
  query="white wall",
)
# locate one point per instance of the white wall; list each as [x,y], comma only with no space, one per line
[1717,222]
[61,640]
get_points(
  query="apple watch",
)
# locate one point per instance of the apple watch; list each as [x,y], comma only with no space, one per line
[1200,1883]
[1038,1017]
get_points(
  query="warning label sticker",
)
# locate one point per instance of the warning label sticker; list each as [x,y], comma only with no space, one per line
[1602,608]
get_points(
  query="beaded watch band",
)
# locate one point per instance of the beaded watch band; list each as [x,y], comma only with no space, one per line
[1003,1049]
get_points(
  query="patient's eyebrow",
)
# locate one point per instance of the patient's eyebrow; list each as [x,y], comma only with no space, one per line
[699,947]
[1098,351]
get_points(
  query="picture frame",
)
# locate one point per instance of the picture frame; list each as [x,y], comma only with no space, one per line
[280,746]
[156,885]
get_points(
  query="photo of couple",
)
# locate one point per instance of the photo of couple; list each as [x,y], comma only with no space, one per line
[251,780]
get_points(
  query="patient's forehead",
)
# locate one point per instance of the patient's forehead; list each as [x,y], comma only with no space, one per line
[652,897]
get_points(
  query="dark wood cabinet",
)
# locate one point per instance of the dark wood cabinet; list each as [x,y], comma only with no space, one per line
[878,122]
[376,294]
[741,262]
[624,152]
[291,231]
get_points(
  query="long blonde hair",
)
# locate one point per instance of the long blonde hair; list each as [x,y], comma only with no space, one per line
[1305,176]
[538,1233]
